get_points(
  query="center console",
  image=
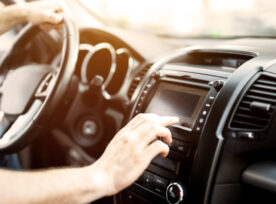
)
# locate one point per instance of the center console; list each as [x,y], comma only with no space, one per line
[172,91]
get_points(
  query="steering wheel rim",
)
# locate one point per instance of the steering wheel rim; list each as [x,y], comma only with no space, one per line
[14,143]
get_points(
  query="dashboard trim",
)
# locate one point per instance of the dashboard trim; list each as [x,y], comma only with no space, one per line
[219,132]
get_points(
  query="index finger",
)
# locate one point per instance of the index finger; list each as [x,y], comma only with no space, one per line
[167,120]
[151,118]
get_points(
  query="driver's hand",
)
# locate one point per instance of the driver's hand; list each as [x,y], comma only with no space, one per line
[44,13]
[132,149]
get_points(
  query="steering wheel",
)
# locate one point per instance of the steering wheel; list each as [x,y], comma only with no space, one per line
[31,93]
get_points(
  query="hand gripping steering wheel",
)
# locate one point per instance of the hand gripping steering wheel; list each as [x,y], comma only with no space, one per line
[31,93]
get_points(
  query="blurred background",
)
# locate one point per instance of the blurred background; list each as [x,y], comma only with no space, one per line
[178,18]
[209,18]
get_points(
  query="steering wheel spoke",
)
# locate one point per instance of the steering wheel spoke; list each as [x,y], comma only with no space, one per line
[45,86]
[19,126]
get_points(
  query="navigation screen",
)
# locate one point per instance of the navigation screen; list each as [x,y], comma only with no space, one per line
[177,100]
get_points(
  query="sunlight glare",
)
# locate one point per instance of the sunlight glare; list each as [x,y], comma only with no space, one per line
[228,5]
[181,14]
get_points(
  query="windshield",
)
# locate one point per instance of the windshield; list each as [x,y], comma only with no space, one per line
[208,18]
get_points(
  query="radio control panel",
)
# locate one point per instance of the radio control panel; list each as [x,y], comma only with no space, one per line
[191,99]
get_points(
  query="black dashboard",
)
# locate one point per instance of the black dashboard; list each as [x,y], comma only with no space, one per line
[224,96]
[223,92]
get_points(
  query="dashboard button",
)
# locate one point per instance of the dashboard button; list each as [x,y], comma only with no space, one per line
[160,182]
[211,97]
[201,120]
[208,105]
[218,84]
[181,147]
[198,129]
[148,178]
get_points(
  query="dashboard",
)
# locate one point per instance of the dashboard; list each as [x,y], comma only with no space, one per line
[224,96]
[223,91]
[223,148]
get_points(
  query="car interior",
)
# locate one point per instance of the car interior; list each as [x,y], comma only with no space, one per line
[80,84]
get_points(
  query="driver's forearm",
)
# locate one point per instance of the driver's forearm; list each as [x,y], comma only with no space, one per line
[11,16]
[76,185]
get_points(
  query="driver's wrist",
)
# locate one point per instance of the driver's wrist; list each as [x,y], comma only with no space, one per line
[98,180]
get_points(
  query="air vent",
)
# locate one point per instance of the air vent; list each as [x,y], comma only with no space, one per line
[256,108]
[137,79]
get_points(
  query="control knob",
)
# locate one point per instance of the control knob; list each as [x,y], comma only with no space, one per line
[175,193]
[218,84]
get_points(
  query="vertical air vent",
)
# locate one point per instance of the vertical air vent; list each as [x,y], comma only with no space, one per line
[137,79]
[256,108]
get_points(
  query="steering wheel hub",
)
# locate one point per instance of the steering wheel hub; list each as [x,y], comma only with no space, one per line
[19,88]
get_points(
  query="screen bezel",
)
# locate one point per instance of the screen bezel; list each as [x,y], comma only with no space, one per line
[201,91]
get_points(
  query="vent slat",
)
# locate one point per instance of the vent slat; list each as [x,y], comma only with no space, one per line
[264,87]
[258,98]
[263,90]
[251,117]
[262,81]
[247,124]
[137,79]
[246,110]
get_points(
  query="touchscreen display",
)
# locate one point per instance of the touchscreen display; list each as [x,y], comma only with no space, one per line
[177,100]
